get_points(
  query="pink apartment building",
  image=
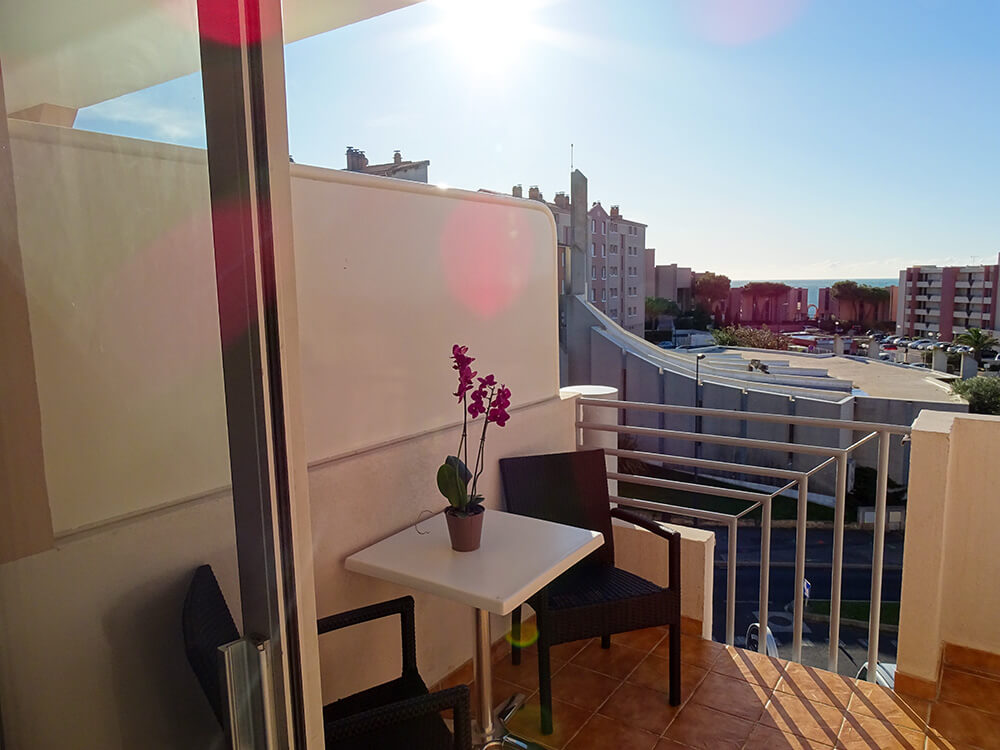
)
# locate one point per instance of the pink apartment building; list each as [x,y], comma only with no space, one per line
[943,302]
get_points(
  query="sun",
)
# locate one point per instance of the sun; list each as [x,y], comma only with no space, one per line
[487,36]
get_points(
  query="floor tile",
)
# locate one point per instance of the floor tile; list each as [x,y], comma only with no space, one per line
[583,687]
[861,732]
[665,744]
[566,651]
[566,721]
[641,640]
[616,661]
[972,690]
[525,674]
[737,697]
[703,728]
[766,738]
[817,685]
[602,733]
[640,707]
[461,676]
[936,741]
[694,650]
[750,666]
[814,721]
[965,725]
[652,673]
[884,704]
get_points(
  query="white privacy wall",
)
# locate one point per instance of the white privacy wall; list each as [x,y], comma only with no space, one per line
[391,274]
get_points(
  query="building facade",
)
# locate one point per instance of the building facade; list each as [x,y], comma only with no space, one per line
[942,302]
[617,272]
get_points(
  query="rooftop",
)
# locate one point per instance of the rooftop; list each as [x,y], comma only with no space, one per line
[874,378]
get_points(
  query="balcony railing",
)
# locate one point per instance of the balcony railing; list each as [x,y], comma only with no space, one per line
[795,480]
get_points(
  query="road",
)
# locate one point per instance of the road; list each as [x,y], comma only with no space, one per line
[856,584]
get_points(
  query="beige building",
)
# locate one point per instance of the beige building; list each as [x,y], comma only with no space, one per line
[943,302]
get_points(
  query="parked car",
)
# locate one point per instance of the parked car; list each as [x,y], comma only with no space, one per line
[885,674]
[920,343]
[666,345]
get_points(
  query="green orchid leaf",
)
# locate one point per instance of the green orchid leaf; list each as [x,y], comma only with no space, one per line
[451,486]
[460,468]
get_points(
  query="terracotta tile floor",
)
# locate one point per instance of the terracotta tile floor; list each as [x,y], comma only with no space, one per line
[732,698]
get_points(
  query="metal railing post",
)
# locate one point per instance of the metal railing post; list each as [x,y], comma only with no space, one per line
[731,585]
[800,568]
[878,550]
[765,572]
[838,560]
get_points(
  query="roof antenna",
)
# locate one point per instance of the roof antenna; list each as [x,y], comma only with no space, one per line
[571,157]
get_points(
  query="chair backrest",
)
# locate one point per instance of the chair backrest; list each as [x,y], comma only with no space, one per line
[569,488]
[207,624]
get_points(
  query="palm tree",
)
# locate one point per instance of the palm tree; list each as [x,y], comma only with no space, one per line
[978,339]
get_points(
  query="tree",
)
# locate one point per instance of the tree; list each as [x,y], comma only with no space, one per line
[753,338]
[978,339]
[983,394]
[657,306]
[847,291]
[766,289]
[711,287]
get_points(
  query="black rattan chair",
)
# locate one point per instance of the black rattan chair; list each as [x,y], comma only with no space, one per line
[399,713]
[593,598]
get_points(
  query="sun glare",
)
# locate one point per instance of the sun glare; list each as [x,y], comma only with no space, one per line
[487,36]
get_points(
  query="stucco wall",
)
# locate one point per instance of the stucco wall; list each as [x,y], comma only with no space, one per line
[119,269]
[950,566]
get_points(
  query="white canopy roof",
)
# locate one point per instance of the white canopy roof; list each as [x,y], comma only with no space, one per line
[74,54]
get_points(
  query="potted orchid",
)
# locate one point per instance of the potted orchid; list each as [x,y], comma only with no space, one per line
[490,400]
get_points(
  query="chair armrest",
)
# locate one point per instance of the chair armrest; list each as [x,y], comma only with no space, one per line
[673,541]
[456,698]
[403,606]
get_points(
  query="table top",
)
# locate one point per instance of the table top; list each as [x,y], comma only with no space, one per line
[518,556]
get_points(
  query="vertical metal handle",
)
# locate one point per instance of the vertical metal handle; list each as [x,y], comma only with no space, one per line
[249,693]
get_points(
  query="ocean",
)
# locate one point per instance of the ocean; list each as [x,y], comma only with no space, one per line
[814,285]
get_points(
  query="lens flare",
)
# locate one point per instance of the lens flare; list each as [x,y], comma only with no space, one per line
[737,22]
[529,635]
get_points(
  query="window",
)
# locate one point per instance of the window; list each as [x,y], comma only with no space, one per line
[593,272]
[593,249]
[593,225]
[614,312]
[614,270]
[614,227]
[614,249]
[562,259]
[604,295]
[593,295]
[604,250]
[604,272]
[604,227]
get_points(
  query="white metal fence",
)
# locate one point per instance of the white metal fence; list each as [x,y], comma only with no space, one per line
[826,456]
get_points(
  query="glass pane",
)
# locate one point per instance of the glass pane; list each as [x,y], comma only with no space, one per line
[114,240]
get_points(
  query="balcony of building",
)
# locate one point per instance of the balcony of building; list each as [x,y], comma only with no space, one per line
[116,238]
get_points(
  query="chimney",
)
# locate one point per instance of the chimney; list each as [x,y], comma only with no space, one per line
[615,213]
[356,160]
[535,194]
[562,200]
[517,192]
[397,158]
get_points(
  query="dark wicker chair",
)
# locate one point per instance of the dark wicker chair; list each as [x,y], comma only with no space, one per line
[593,598]
[399,713]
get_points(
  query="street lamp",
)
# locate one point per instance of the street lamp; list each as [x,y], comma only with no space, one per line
[697,377]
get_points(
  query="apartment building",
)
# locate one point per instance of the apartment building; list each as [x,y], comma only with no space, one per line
[946,301]
[617,267]
[672,282]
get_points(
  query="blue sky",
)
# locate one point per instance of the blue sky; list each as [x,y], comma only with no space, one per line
[809,139]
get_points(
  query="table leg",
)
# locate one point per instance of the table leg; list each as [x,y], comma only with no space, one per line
[482,668]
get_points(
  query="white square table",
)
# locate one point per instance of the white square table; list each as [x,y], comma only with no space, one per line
[517,557]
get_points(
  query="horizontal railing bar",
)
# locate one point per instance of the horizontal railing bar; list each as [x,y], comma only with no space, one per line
[705,463]
[834,424]
[679,510]
[700,489]
[772,445]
